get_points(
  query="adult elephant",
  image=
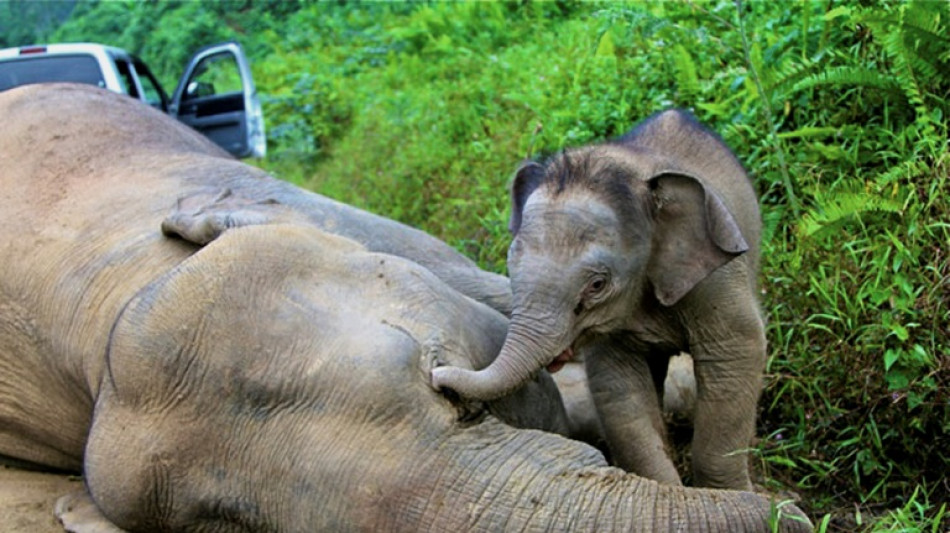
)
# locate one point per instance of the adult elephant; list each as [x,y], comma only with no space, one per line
[630,252]
[276,379]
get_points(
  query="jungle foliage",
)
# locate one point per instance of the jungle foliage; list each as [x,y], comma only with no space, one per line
[421,112]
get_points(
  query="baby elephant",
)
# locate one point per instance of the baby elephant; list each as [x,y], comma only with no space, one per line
[627,253]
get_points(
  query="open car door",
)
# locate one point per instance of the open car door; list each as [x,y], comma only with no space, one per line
[216,96]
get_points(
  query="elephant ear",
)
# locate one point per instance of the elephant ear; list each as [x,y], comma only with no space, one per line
[695,234]
[200,218]
[527,178]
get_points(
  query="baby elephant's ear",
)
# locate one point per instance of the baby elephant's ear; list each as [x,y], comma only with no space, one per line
[695,234]
[526,180]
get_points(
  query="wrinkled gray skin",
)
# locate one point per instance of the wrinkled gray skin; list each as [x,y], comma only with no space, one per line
[276,379]
[252,198]
[630,252]
[230,199]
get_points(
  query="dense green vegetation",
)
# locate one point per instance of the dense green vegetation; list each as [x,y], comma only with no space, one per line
[840,111]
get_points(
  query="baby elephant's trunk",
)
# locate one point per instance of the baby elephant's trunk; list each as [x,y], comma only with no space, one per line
[525,352]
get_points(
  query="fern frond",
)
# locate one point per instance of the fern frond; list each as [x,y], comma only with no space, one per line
[836,209]
[914,39]
[789,75]
[686,76]
[903,60]
[907,171]
[861,76]
[925,19]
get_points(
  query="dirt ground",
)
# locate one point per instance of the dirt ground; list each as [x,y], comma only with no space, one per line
[27,500]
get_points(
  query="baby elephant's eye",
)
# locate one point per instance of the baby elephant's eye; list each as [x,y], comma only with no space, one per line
[596,285]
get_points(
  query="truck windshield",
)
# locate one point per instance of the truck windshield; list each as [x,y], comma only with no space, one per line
[33,69]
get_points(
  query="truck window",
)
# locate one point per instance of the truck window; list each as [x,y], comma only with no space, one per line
[75,68]
[215,75]
[151,88]
[126,78]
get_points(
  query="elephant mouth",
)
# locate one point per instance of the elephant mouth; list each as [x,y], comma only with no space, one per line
[562,359]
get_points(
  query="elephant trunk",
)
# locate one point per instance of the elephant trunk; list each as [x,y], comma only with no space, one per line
[614,501]
[529,480]
[527,349]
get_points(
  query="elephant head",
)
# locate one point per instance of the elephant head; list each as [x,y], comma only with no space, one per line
[606,238]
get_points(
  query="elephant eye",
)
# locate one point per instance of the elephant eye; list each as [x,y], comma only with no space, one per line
[592,292]
[596,285]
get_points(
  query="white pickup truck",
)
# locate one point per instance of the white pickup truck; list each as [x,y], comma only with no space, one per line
[215,95]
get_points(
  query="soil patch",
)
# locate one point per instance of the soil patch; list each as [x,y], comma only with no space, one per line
[27,499]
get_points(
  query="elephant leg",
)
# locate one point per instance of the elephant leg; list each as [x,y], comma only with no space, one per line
[728,373]
[583,421]
[627,401]
[79,514]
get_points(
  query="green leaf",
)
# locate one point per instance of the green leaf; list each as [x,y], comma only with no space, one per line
[938,519]
[841,11]
[606,48]
[900,332]
[686,76]
[897,380]
[809,131]
[830,152]
[915,398]
[783,461]
[715,109]
[890,357]
[921,355]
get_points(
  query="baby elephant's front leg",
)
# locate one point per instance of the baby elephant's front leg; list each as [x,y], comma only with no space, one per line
[728,381]
[728,348]
[627,402]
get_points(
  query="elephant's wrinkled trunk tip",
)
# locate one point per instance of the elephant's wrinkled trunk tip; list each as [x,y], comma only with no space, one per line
[483,385]
[521,357]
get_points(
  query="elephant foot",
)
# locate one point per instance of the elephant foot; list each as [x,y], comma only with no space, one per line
[79,514]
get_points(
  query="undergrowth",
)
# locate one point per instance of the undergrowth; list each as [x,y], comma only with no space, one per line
[422,111]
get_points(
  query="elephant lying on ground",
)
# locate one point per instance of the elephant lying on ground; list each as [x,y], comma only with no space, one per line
[276,379]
